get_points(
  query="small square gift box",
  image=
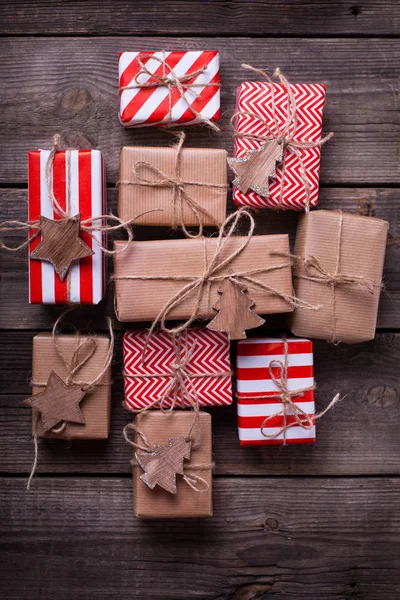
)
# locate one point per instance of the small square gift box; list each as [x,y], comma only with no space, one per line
[66,189]
[172,464]
[181,371]
[173,186]
[165,88]
[71,386]
[277,143]
[338,266]
[275,391]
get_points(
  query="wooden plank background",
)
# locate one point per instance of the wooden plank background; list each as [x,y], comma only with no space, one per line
[317,522]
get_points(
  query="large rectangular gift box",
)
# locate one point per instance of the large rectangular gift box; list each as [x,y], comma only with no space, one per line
[204,355]
[255,97]
[82,192]
[340,266]
[256,359]
[203,172]
[96,404]
[150,105]
[158,428]
[149,274]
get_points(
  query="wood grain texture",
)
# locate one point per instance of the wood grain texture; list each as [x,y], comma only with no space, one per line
[298,539]
[70,85]
[196,17]
[16,313]
[359,436]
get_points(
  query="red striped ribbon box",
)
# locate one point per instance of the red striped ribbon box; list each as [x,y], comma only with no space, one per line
[209,354]
[84,283]
[141,107]
[255,97]
[254,379]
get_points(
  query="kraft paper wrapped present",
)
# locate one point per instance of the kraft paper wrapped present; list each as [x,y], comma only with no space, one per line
[204,358]
[95,405]
[266,367]
[78,184]
[339,267]
[157,503]
[287,189]
[159,88]
[149,274]
[203,172]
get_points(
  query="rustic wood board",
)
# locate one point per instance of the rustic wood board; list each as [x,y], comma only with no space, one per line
[317,538]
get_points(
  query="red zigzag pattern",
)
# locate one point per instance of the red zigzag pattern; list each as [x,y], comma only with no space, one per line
[255,97]
[211,355]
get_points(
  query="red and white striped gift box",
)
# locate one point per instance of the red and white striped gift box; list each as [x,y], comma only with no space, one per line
[85,281]
[209,353]
[255,97]
[254,379]
[141,107]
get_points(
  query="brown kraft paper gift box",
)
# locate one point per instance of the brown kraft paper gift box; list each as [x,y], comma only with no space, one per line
[202,165]
[345,244]
[142,299]
[96,404]
[158,427]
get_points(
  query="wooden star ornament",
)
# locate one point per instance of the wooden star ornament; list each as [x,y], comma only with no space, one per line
[162,464]
[61,244]
[58,403]
[258,166]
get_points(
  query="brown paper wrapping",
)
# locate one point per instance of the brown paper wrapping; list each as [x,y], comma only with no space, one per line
[142,300]
[361,253]
[96,405]
[158,427]
[205,165]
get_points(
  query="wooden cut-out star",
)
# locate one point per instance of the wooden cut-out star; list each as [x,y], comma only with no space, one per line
[61,244]
[58,402]
[257,167]
[163,463]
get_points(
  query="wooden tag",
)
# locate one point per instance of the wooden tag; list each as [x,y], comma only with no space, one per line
[163,463]
[58,402]
[257,167]
[61,244]
[234,311]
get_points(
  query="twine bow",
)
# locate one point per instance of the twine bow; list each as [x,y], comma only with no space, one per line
[283,135]
[197,284]
[170,80]
[178,187]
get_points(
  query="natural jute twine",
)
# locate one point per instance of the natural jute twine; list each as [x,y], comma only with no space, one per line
[283,135]
[286,397]
[178,186]
[86,348]
[198,284]
[170,80]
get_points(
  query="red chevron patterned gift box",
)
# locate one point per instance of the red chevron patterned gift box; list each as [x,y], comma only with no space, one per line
[275,391]
[195,368]
[78,184]
[295,176]
[157,88]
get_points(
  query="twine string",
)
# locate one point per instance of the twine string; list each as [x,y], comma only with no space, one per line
[174,182]
[282,134]
[170,80]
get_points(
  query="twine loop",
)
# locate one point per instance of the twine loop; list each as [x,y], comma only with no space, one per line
[282,135]
[170,80]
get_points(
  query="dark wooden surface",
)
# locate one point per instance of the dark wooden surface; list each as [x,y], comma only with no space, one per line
[316,522]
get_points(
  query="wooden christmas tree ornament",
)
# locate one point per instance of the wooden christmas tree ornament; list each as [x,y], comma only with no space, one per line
[162,464]
[234,311]
[257,167]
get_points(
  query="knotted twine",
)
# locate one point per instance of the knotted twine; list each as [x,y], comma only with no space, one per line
[198,284]
[170,80]
[86,347]
[289,406]
[177,185]
[283,135]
